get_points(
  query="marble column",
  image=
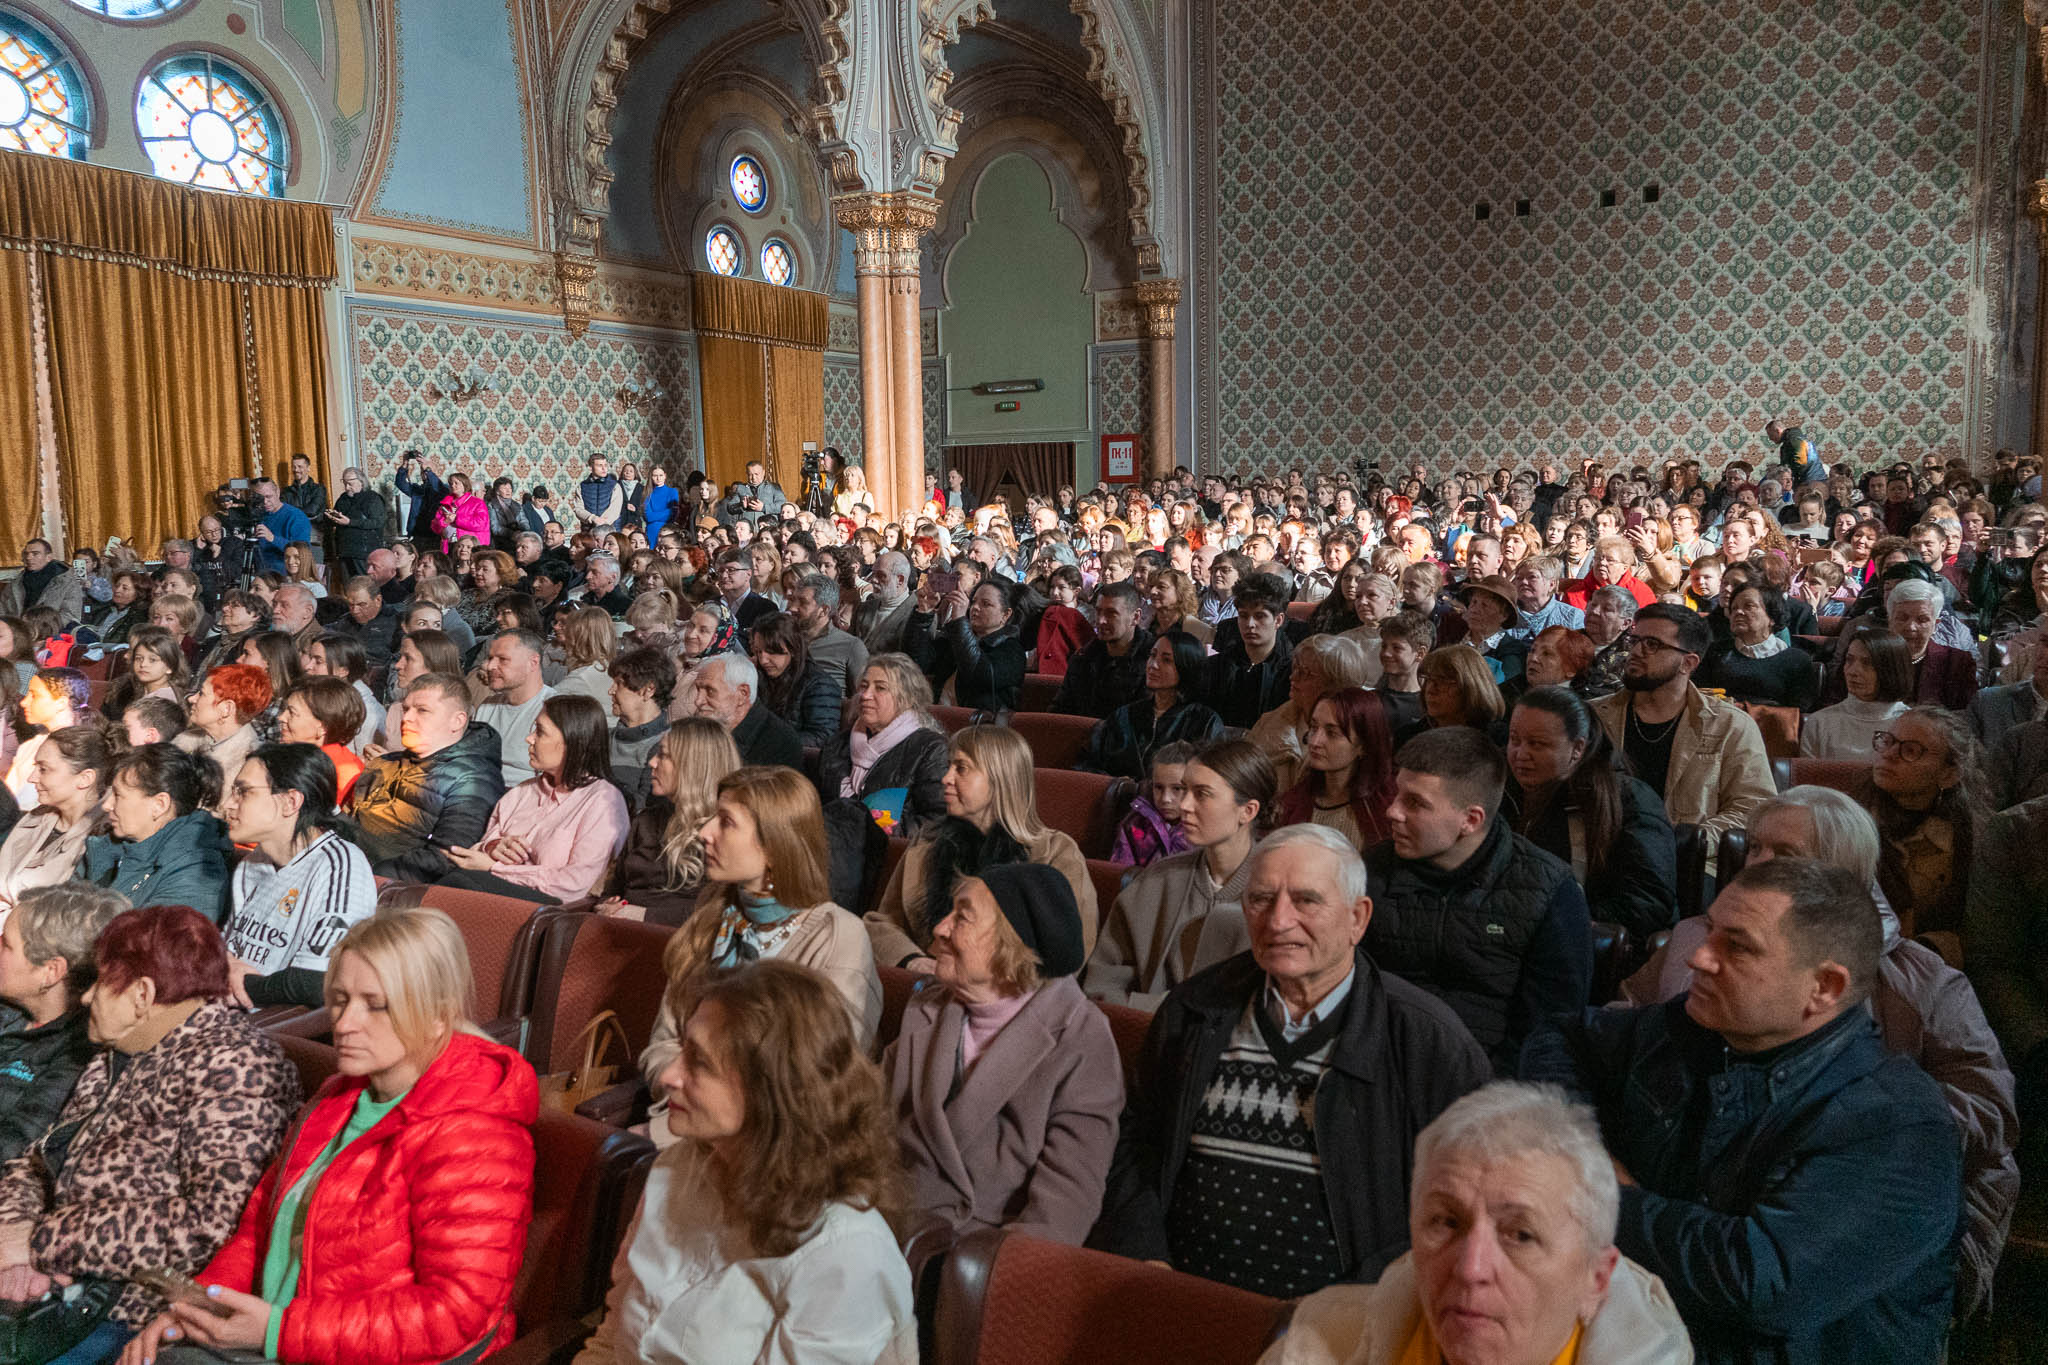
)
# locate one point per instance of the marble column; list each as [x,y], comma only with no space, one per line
[1160,298]
[861,215]
[915,216]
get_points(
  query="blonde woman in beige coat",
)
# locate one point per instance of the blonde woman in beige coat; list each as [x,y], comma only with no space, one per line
[991,818]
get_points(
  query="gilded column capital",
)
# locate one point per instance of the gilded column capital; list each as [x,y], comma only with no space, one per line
[1159,298]
[888,229]
[2037,202]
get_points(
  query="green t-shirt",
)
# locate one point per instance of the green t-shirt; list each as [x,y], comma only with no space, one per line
[280,1279]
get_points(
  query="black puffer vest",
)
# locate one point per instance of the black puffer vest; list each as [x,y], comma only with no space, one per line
[1461,935]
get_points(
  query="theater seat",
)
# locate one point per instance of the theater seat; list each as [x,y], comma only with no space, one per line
[1109,884]
[1779,726]
[1040,689]
[1691,843]
[1733,855]
[1843,774]
[892,854]
[1008,1299]
[954,719]
[898,985]
[589,964]
[1056,741]
[1300,611]
[503,937]
[1128,1027]
[315,1061]
[1085,806]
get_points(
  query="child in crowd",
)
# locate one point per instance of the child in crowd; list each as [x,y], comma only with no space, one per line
[1405,637]
[1151,830]
[1062,631]
[1703,584]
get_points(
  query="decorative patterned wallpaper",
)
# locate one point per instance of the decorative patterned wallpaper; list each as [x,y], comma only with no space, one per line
[556,401]
[1120,405]
[842,406]
[934,414]
[411,270]
[1816,245]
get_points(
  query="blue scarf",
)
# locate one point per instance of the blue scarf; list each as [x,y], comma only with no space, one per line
[742,927]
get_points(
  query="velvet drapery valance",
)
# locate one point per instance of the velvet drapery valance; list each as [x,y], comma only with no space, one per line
[753,310]
[174,340]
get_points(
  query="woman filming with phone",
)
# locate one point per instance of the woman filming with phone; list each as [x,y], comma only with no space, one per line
[391,1227]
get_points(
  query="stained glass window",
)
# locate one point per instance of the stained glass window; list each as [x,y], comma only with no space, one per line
[722,250]
[778,262]
[42,101]
[129,9]
[749,184]
[205,123]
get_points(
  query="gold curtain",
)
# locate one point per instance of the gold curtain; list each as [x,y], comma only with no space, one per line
[185,339]
[290,336]
[735,396]
[758,311]
[21,511]
[148,392]
[797,383]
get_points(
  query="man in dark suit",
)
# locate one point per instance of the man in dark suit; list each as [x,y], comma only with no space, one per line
[1997,711]
[726,688]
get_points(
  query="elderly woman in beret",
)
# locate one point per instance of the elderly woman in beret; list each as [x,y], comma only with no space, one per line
[1005,1080]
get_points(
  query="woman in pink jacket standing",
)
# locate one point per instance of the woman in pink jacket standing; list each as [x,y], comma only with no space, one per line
[462,513]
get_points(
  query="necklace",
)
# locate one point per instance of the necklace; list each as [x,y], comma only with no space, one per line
[1643,732]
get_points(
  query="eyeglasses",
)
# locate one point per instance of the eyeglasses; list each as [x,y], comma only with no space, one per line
[1651,643]
[242,792]
[1885,742]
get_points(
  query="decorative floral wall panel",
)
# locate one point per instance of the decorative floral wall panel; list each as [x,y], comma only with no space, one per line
[556,400]
[1814,245]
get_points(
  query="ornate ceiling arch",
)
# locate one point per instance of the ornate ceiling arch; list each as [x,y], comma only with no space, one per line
[595,63]
[1116,68]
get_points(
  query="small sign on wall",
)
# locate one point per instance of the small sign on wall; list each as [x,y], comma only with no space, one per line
[1120,459]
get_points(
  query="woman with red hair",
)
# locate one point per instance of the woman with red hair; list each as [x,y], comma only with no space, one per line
[1348,778]
[1557,656]
[158,1149]
[223,715]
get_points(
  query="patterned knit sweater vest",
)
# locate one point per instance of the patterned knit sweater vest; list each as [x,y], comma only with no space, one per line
[1248,1206]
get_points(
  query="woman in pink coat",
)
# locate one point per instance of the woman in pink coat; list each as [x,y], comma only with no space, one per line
[461,513]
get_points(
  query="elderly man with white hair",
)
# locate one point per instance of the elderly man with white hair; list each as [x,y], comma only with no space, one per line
[1511,1215]
[1267,1136]
[727,688]
[295,611]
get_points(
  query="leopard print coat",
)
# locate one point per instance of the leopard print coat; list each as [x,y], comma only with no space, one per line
[164,1159]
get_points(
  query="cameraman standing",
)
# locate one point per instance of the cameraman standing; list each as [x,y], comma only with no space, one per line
[278,524]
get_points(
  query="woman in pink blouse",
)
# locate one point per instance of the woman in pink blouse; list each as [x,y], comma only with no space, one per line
[551,838]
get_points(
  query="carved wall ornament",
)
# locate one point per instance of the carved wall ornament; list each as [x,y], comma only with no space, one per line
[574,273]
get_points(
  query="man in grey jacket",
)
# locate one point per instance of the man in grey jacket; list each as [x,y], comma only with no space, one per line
[44,582]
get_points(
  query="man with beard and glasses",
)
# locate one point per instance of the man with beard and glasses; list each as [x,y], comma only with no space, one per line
[1704,755]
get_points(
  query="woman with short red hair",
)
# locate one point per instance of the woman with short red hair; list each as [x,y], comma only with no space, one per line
[158,1149]
[223,714]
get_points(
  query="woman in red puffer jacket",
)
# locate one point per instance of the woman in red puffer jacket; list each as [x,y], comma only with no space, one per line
[409,1181]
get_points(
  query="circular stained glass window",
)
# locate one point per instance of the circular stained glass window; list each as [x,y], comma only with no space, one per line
[722,250]
[205,123]
[749,184]
[778,262]
[42,101]
[129,9]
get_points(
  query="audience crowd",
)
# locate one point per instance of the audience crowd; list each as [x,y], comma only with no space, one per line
[1410,775]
